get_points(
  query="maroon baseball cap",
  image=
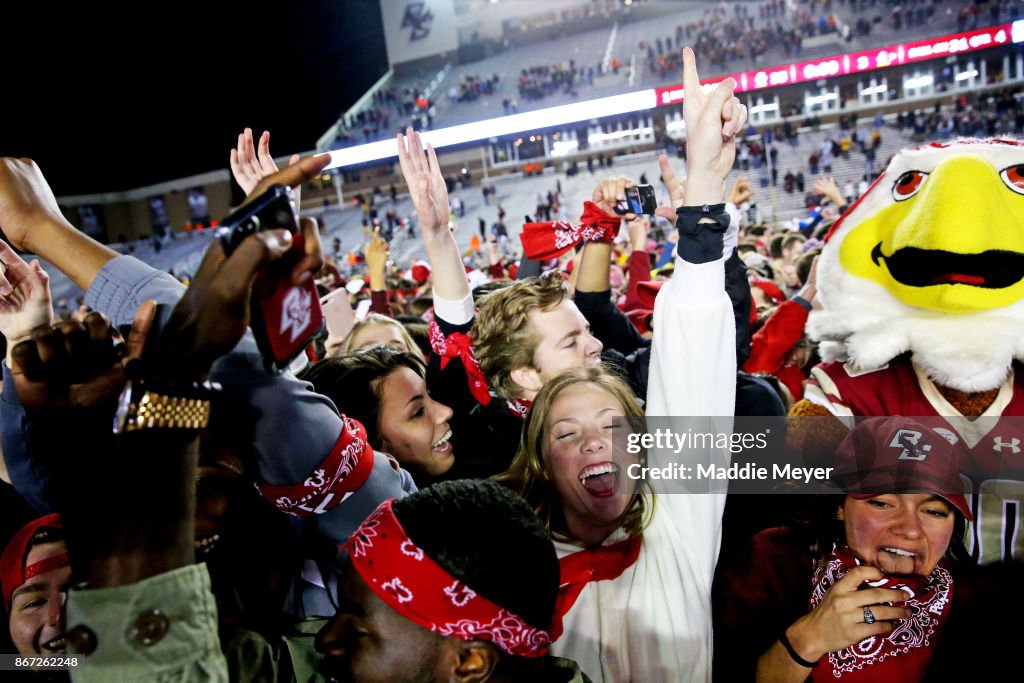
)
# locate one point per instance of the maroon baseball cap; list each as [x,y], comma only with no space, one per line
[899,455]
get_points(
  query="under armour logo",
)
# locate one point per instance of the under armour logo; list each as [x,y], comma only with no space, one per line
[998,444]
[913,445]
[418,17]
[296,312]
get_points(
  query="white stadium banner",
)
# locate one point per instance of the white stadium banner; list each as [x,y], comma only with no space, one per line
[418,28]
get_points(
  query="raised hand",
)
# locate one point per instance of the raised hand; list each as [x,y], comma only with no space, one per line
[712,121]
[25,200]
[78,364]
[250,166]
[376,261]
[426,185]
[826,186]
[25,301]
[610,192]
[741,192]
[430,197]
[293,176]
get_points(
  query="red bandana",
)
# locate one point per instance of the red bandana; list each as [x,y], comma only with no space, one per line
[344,470]
[550,239]
[459,345]
[519,407]
[415,586]
[902,655]
[604,563]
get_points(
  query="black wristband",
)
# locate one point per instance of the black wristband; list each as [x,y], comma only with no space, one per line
[792,653]
[692,215]
[701,242]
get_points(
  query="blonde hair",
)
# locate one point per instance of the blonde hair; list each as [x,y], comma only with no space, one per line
[502,337]
[529,474]
[348,343]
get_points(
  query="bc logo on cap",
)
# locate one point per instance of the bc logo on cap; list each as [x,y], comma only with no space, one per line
[913,443]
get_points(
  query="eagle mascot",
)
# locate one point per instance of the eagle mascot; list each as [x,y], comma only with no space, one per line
[921,285]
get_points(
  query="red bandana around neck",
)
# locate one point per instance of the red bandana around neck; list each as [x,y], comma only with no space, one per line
[419,589]
[902,655]
[459,345]
[344,470]
[519,407]
[603,563]
[550,239]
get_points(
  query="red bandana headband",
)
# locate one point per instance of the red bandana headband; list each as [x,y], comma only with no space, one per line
[550,239]
[459,345]
[344,470]
[412,584]
[904,654]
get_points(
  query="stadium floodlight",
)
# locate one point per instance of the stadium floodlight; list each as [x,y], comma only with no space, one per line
[504,125]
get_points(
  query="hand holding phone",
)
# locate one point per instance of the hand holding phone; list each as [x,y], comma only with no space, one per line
[284,317]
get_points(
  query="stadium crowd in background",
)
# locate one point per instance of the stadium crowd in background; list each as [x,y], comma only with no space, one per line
[437,489]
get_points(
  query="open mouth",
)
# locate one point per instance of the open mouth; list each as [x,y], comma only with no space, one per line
[56,645]
[600,479]
[899,552]
[444,444]
[915,267]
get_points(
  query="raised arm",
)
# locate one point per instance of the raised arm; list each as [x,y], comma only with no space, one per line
[693,363]
[376,266]
[594,267]
[693,314]
[25,305]
[32,221]
[593,286]
[127,540]
[429,195]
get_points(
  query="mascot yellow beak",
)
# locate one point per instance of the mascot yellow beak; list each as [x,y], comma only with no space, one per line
[952,240]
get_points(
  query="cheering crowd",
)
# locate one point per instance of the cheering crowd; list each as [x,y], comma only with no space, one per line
[439,491]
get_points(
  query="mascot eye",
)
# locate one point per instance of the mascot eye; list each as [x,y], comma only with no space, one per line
[1014,178]
[907,185]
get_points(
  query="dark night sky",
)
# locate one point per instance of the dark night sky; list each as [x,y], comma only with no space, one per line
[114,98]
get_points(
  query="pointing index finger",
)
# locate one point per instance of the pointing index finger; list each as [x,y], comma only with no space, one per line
[691,82]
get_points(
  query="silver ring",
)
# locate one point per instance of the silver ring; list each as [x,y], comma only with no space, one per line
[869,617]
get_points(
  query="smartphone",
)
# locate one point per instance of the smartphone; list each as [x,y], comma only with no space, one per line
[284,317]
[641,200]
